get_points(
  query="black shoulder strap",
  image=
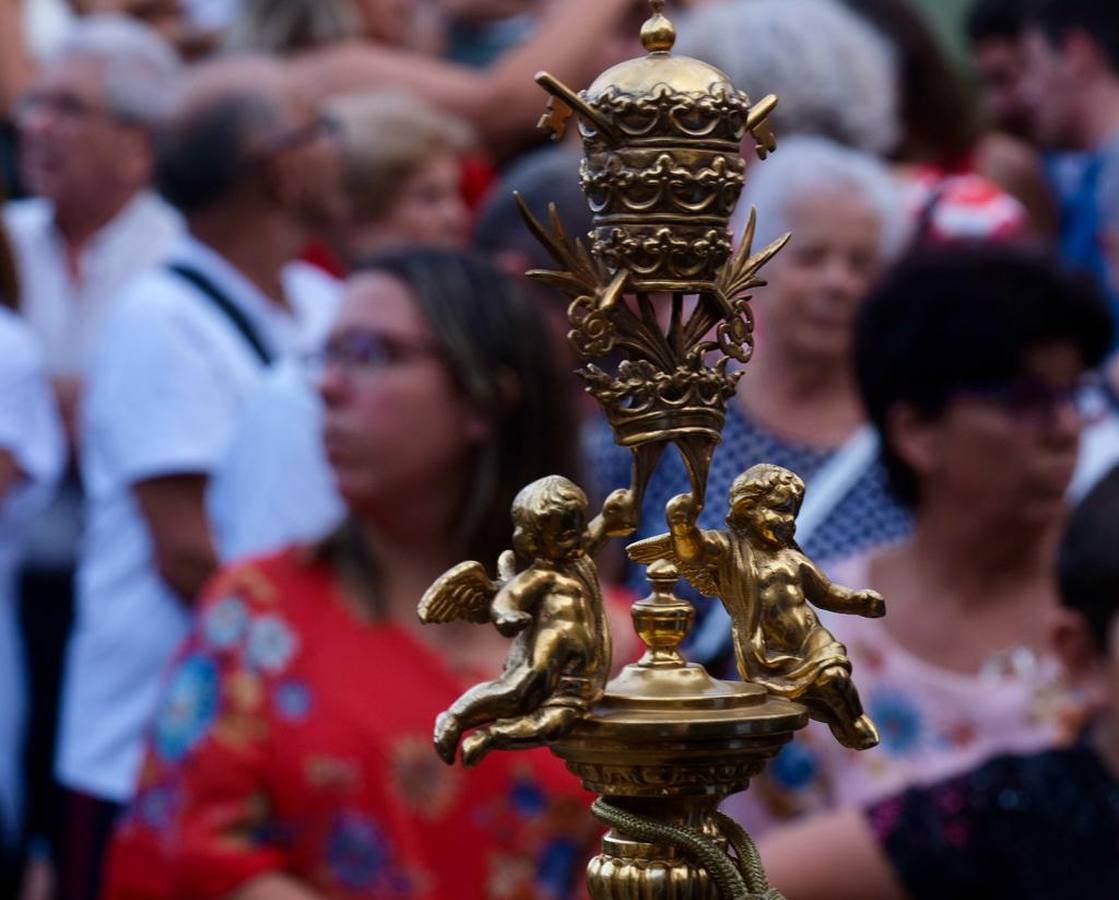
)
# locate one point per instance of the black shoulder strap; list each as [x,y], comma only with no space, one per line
[226,306]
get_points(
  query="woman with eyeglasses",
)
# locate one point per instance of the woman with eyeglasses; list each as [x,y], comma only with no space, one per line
[292,755]
[975,367]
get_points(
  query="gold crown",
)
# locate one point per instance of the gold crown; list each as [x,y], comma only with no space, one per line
[663,167]
[644,405]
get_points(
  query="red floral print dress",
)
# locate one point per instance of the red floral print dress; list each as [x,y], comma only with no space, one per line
[295,738]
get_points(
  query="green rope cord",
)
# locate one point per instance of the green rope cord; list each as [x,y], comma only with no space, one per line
[692,844]
[749,862]
[746,881]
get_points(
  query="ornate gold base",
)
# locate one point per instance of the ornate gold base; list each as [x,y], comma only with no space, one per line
[668,742]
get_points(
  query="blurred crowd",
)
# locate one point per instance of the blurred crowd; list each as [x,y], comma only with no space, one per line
[269,365]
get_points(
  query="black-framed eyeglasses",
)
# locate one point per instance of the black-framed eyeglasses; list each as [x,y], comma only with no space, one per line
[366,350]
[64,104]
[1035,403]
[321,125]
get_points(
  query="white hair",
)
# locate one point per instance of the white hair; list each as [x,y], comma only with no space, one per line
[833,74]
[807,166]
[140,70]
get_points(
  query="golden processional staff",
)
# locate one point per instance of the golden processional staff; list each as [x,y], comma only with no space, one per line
[661,289]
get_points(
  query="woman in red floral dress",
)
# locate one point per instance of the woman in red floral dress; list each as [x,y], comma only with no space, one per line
[292,756]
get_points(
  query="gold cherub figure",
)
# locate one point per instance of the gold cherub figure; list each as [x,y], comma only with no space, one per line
[548,597]
[767,584]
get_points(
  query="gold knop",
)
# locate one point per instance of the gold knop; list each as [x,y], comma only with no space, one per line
[657,34]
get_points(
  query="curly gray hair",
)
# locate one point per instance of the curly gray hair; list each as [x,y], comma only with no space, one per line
[834,75]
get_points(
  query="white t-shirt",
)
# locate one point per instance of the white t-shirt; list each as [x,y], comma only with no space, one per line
[31,432]
[168,379]
[274,486]
[65,313]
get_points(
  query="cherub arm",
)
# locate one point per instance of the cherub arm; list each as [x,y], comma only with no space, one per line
[691,544]
[510,609]
[617,519]
[826,594]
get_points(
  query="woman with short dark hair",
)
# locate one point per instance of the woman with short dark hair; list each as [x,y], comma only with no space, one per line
[974,366]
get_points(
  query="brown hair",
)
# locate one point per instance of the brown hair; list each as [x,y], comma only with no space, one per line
[938,111]
[386,139]
[9,276]
[496,347]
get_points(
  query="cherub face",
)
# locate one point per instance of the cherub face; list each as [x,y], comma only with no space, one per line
[560,533]
[773,516]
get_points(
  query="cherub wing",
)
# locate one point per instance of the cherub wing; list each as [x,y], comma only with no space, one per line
[651,549]
[506,568]
[462,593]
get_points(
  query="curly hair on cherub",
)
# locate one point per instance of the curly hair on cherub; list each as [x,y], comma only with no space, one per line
[756,483]
[535,501]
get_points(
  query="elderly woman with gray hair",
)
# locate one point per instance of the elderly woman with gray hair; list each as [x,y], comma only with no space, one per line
[797,405]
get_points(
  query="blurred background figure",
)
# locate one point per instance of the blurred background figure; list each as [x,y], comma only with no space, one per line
[542,179]
[85,131]
[32,455]
[340,47]
[834,74]
[1071,83]
[1011,827]
[441,403]
[247,160]
[975,369]
[797,404]
[401,168]
[868,75]
[994,32]
[961,181]
[84,123]
[401,184]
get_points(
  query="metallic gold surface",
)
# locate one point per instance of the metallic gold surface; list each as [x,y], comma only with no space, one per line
[546,598]
[767,585]
[661,322]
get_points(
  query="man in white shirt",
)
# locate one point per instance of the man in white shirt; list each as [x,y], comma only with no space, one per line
[86,153]
[246,161]
[85,122]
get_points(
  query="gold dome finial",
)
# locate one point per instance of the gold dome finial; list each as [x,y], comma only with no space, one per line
[657,34]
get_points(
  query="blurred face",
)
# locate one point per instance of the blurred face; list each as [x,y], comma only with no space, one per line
[387,21]
[74,150]
[395,424]
[1050,86]
[430,209]
[1006,452]
[1001,66]
[818,281]
[305,163]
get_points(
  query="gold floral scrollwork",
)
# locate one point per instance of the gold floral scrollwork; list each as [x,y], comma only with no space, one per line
[592,333]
